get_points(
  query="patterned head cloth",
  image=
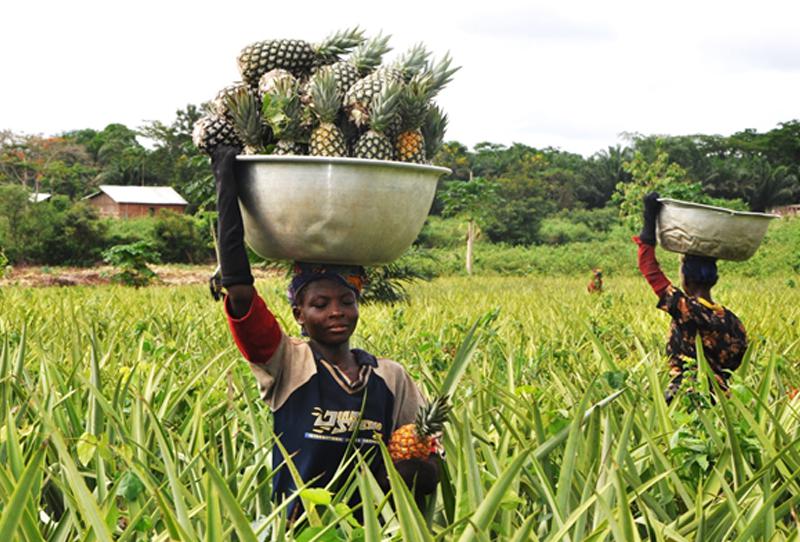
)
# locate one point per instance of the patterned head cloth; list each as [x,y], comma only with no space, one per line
[351,276]
[700,270]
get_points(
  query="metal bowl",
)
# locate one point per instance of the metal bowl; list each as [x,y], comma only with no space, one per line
[705,230]
[333,210]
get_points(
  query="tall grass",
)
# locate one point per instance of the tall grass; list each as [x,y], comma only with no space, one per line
[128,415]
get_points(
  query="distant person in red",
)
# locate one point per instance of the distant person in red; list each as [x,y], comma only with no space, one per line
[692,309]
[596,284]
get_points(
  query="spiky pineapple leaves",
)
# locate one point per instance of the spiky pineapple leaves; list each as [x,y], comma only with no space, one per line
[273,111]
[245,112]
[466,352]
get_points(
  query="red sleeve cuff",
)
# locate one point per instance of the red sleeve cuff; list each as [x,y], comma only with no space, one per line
[649,267]
[257,333]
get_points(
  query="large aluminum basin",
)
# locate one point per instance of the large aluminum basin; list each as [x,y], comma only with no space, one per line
[704,230]
[333,210]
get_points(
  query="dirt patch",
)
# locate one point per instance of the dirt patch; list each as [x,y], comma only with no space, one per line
[37,276]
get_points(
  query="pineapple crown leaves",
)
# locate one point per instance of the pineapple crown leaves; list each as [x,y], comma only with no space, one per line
[339,43]
[326,100]
[281,109]
[368,55]
[440,74]
[433,129]
[245,112]
[415,101]
[412,61]
[384,107]
[219,103]
[431,417]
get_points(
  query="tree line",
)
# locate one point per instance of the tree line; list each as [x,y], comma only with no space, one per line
[506,189]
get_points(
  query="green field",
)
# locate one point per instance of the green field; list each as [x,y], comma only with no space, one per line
[129,415]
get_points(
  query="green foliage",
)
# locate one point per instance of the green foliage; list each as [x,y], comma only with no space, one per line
[557,231]
[181,238]
[438,232]
[389,283]
[660,175]
[517,211]
[123,232]
[667,178]
[54,232]
[129,415]
[5,265]
[131,262]
[614,252]
[66,233]
[469,200]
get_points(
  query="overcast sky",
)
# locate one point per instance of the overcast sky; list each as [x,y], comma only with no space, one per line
[572,75]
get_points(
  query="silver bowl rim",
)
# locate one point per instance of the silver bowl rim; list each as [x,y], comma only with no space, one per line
[690,204]
[343,160]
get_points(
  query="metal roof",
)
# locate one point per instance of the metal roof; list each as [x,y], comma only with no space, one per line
[145,195]
[39,196]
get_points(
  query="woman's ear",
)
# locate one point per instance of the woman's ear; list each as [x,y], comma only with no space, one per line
[298,315]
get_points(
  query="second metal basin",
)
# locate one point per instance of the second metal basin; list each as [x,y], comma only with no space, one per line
[704,230]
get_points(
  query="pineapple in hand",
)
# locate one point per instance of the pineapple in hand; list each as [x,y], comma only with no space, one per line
[420,439]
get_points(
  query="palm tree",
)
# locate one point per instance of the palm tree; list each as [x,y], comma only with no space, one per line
[767,186]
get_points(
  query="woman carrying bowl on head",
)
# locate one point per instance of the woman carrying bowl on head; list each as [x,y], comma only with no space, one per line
[320,390]
[692,309]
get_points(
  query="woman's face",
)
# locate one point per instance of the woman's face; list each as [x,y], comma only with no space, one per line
[328,311]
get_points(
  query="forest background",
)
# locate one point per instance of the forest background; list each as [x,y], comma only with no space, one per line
[527,210]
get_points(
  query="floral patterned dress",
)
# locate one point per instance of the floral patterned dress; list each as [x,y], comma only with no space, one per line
[722,333]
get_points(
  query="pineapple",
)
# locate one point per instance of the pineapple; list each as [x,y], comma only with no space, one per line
[214,130]
[414,105]
[269,81]
[410,143]
[420,439]
[374,144]
[326,139]
[295,56]
[363,61]
[358,98]
[283,112]
[245,111]
[433,129]
[219,104]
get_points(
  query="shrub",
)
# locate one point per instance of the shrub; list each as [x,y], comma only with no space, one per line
[131,262]
[58,232]
[5,268]
[441,232]
[180,238]
[557,231]
[129,231]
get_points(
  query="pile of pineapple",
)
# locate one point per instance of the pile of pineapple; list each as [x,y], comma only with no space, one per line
[305,99]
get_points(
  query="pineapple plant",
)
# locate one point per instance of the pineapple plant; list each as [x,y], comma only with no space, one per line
[420,439]
[245,110]
[326,139]
[358,98]
[374,144]
[213,130]
[295,56]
